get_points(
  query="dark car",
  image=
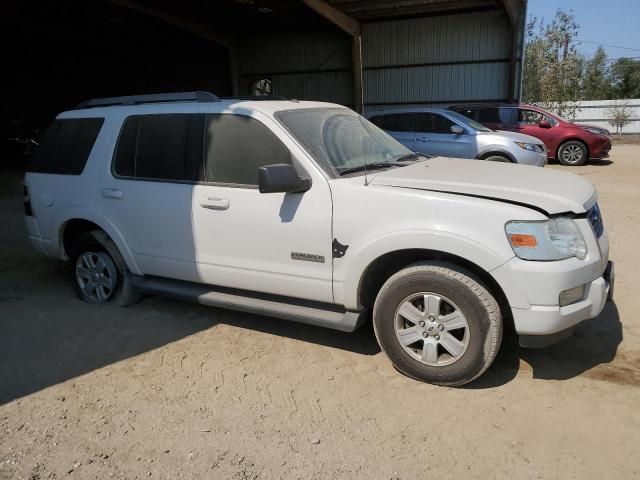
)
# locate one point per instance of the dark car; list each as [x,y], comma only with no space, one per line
[567,142]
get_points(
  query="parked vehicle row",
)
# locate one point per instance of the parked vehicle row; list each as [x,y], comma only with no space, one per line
[445,133]
[522,134]
[567,142]
[308,212]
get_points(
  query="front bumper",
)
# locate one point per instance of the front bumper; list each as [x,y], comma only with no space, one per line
[540,326]
[536,159]
[533,289]
[601,150]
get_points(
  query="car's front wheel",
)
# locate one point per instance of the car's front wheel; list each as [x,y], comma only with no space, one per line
[572,153]
[437,323]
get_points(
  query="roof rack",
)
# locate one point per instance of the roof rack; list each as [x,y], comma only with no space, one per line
[255,97]
[153,98]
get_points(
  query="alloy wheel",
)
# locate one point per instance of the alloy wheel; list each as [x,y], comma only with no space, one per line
[432,329]
[96,275]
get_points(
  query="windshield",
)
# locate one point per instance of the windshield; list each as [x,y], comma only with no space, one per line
[340,140]
[468,122]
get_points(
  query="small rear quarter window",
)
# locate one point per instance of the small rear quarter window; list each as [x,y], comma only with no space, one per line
[65,146]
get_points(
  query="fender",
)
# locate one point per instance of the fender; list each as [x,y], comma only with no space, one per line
[347,290]
[104,223]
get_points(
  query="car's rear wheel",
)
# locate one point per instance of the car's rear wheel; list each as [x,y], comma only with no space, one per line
[99,272]
[572,153]
[437,323]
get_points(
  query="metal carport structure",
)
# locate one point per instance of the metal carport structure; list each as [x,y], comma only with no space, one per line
[367,54]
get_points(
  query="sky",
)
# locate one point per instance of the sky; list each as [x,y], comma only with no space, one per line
[613,22]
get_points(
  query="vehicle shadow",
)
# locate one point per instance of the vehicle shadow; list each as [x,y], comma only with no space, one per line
[49,336]
[595,163]
[593,343]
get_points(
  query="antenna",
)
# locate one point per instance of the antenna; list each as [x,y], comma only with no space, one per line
[364,153]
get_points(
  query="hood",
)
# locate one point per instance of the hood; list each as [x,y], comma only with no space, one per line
[515,136]
[543,189]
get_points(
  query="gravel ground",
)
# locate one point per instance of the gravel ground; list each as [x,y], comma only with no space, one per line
[166,389]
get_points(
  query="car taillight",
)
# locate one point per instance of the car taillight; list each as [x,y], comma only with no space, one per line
[27,202]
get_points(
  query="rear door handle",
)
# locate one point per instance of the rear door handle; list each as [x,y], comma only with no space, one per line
[214,203]
[113,193]
[422,139]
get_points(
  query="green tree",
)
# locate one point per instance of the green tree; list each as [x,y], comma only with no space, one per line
[552,65]
[597,84]
[620,116]
[624,75]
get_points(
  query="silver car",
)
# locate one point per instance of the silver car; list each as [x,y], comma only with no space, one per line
[439,132]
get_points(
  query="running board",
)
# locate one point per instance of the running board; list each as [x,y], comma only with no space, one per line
[296,310]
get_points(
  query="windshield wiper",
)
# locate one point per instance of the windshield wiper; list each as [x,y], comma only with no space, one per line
[411,156]
[368,166]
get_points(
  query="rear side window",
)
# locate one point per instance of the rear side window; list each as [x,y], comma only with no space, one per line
[65,146]
[236,146]
[503,116]
[397,122]
[158,147]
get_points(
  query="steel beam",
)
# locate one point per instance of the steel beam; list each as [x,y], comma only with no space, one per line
[352,27]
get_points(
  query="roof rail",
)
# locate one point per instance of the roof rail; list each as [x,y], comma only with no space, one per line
[255,97]
[152,98]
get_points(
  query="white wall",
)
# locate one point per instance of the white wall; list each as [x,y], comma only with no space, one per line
[596,112]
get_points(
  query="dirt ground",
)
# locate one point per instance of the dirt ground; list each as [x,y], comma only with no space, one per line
[171,390]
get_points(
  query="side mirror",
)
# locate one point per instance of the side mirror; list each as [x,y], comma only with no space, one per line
[457,130]
[544,124]
[281,178]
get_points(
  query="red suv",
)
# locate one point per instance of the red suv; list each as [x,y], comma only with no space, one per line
[567,142]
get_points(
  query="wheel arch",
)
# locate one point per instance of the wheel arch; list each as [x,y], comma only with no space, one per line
[75,222]
[388,264]
[495,151]
[376,262]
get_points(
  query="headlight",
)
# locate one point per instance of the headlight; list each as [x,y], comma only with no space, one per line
[553,239]
[598,131]
[532,147]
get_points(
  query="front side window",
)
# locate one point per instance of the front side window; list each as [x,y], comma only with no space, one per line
[340,140]
[157,147]
[433,123]
[531,117]
[236,146]
[65,146]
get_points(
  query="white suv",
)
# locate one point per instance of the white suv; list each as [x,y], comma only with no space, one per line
[308,212]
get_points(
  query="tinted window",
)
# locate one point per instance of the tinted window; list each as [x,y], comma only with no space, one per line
[236,146]
[433,123]
[531,117]
[489,115]
[495,115]
[397,122]
[157,147]
[66,145]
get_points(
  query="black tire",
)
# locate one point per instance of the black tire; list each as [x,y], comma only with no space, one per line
[573,153]
[478,306]
[498,158]
[99,243]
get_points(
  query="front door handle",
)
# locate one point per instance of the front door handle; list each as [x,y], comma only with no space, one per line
[113,193]
[214,203]
[422,139]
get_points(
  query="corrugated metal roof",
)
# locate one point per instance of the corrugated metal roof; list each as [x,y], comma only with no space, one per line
[379,9]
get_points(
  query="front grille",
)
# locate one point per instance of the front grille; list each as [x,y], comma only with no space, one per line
[595,218]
